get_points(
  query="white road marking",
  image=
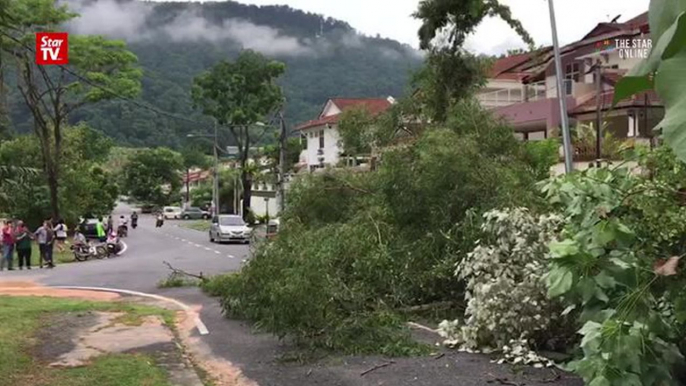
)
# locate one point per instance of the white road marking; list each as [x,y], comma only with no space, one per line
[231,256]
[208,249]
[217,252]
[198,245]
[202,329]
[124,248]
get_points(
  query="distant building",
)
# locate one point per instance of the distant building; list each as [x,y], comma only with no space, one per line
[323,140]
[523,88]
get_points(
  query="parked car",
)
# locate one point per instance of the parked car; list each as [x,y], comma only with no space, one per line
[194,214]
[172,212]
[89,228]
[229,228]
[147,209]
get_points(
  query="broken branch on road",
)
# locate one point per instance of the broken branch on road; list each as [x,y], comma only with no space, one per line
[381,366]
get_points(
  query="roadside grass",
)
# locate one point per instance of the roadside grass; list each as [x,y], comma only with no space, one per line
[198,225]
[175,280]
[60,258]
[20,319]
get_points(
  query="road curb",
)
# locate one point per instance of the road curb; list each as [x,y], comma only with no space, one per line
[202,329]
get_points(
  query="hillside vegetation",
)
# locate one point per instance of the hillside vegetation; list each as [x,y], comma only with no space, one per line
[175,42]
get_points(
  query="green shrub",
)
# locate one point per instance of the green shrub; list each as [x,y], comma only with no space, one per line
[623,232]
[217,285]
[356,248]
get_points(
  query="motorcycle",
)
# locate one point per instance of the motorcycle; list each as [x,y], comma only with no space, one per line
[160,222]
[134,222]
[83,252]
[123,230]
[113,245]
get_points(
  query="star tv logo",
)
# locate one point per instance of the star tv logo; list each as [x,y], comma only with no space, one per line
[52,48]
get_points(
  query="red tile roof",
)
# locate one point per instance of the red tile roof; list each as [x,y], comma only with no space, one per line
[502,65]
[373,106]
[606,102]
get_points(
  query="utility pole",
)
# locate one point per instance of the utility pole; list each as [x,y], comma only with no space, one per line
[216,170]
[283,137]
[566,137]
[599,113]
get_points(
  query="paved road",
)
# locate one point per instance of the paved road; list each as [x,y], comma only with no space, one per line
[142,265]
[256,354]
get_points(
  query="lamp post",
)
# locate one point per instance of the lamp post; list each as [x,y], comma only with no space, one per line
[561,95]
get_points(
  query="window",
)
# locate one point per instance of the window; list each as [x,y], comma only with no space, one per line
[321,139]
[573,71]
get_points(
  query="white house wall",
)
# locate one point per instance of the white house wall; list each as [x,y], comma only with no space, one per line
[331,150]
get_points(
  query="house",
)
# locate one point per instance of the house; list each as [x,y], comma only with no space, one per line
[523,88]
[323,140]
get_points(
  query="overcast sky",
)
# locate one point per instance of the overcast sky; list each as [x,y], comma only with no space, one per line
[392,18]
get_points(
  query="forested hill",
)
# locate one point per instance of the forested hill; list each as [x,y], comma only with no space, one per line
[175,41]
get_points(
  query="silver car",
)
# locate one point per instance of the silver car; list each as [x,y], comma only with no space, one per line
[229,228]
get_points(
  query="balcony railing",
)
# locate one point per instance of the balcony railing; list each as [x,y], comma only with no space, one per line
[527,93]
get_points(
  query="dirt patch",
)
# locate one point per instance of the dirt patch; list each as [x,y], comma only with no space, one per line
[31,289]
[106,336]
[17,284]
[61,332]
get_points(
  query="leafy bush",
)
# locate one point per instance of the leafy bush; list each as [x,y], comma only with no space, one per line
[355,248]
[505,294]
[615,250]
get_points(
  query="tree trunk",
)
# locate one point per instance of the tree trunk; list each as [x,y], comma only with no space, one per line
[53,185]
[246,179]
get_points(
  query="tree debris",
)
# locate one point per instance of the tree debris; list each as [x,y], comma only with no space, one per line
[381,366]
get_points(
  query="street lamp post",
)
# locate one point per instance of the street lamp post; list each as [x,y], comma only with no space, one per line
[561,95]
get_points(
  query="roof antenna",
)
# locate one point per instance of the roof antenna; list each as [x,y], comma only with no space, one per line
[615,19]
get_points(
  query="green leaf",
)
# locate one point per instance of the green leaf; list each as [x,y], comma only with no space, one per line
[605,281]
[669,44]
[559,281]
[631,85]
[563,248]
[590,332]
[662,14]
[678,39]
[604,233]
[600,381]
[670,83]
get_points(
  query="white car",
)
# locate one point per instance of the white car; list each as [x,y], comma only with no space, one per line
[172,212]
[229,228]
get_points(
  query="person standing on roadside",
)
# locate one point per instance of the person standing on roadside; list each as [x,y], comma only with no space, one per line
[45,236]
[110,224]
[7,246]
[61,235]
[23,245]
[101,232]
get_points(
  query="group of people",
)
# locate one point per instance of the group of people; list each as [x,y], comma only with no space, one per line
[16,237]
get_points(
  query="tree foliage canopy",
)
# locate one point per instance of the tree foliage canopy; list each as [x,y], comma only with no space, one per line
[153,176]
[460,18]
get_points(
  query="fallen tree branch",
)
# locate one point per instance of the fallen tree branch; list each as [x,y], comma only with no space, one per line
[427,307]
[381,366]
[177,271]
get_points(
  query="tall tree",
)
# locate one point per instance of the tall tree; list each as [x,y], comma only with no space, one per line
[98,69]
[154,176]
[459,18]
[238,95]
